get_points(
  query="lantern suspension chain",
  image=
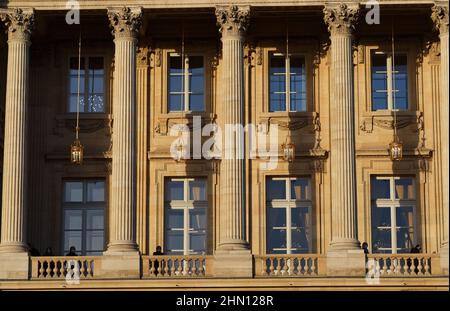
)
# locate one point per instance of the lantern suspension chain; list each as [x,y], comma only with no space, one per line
[77,129]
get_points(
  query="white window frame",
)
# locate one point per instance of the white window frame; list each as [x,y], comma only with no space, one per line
[84,79]
[84,206]
[185,82]
[287,74]
[187,205]
[392,203]
[288,203]
[390,81]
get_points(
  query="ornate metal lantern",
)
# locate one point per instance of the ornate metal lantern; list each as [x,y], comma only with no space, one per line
[76,152]
[396,150]
[288,149]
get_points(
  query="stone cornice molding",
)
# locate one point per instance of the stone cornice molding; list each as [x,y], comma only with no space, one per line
[125,22]
[439,16]
[19,23]
[341,19]
[233,20]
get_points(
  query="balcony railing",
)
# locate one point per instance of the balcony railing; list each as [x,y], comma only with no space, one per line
[57,267]
[308,265]
[392,265]
[174,266]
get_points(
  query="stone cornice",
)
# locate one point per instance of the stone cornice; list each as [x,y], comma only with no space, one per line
[341,19]
[125,22]
[19,23]
[233,20]
[439,15]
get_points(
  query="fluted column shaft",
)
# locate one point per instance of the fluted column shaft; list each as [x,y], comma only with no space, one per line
[441,22]
[232,22]
[343,170]
[125,23]
[13,232]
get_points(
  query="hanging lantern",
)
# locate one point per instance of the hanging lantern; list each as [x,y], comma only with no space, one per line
[288,149]
[76,152]
[396,150]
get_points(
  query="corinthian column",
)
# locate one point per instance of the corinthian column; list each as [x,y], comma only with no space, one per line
[233,256]
[125,23]
[440,18]
[341,21]
[13,233]
[233,24]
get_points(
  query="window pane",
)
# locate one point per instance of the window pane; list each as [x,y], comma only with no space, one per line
[96,83]
[196,84]
[276,217]
[381,229]
[405,229]
[300,189]
[174,219]
[176,102]
[73,219]
[404,188]
[176,83]
[276,189]
[174,190]
[96,191]
[96,103]
[277,102]
[74,84]
[73,191]
[95,219]
[300,240]
[174,242]
[300,217]
[276,239]
[197,102]
[198,243]
[277,64]
[73,103]
[94,240]
[197,219]
[197,190]
[380,188]
[175,65]
[74,66]
[72,238]
[96,65]
[196,65]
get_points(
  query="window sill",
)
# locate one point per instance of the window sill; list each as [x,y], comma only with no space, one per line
[384,119]
[165,121]
[288,120]
[89,123]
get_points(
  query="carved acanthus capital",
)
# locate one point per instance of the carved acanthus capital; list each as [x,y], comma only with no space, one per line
[439,15]
[125,22]
[19,23]
[233,20]
[341,19]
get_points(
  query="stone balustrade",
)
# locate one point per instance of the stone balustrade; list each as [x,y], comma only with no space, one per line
[288,265]
[57,267]
[174,266]
[403,265]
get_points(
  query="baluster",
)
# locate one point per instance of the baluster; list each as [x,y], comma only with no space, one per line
[82,268]
[278,266]
[200,267]
[283,265]
[152,267]
[427,266]
[410,265]
[419,265]
[396,262]
[160,269]
[88,268]
[167,262]
[384,270]
[40,269]
[172,267]
[271,267]
[313,266]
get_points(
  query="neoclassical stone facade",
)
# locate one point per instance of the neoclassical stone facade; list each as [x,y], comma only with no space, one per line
[315,76]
